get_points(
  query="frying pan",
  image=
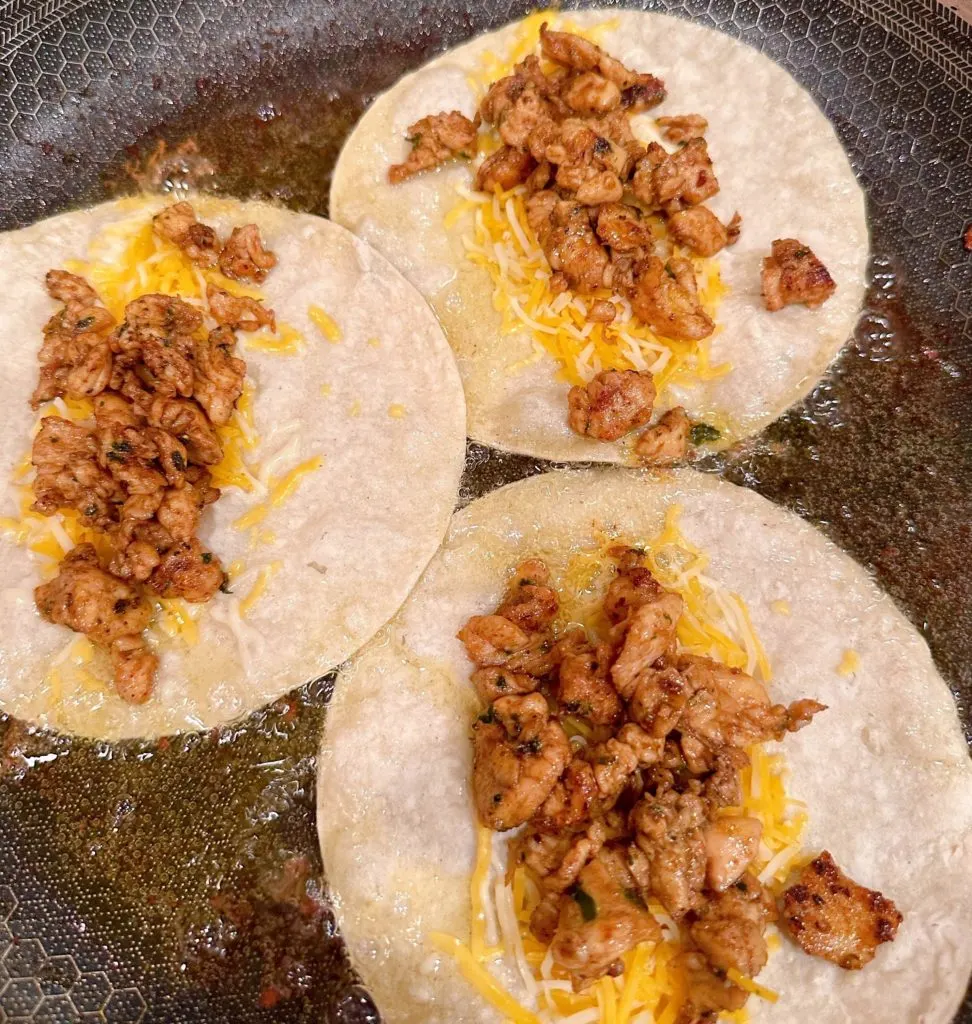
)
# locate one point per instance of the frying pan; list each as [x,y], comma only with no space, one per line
[180,881]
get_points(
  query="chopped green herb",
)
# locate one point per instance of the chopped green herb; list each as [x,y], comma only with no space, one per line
[532,747]
[84,323]
[703,433]
[588,907]
[224,587]
[487,718]
[206,557]
[635,897]
[178,461]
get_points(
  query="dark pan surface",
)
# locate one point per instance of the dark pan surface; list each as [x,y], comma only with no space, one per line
[180,882]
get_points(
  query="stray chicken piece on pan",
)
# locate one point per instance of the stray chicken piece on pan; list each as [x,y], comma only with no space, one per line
[614,403]
[794,275]
[829,915]
[667,440]
[435,139]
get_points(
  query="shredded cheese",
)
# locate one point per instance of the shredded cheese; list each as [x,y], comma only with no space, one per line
[279,490]
[259,588]
[748,985]
[325,324]
[780,606]
[397,411]
[287,341]
[850,662]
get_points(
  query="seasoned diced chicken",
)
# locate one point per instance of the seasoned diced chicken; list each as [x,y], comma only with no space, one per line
[518,755]
[649,635]
[435,139]
[792,274]
[731,845]
[613,404]
[829,915]
[178,224]
[667,440]
[666,298]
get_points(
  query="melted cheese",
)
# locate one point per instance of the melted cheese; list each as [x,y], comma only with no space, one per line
[279,490]
[850,662]
[287,341]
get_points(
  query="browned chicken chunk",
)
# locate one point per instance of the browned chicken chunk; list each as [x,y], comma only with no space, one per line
[699,230]
[793,275]
[504,169]
[239,312]
[65,456]
[601,918]
[244,256]
[708,991]
[667,440]
[829,915]
[613,404]
[219,375]
[666,297]
[683,127]
[189,572]
[178,224]
[518,755]
[435,139]
[564,231]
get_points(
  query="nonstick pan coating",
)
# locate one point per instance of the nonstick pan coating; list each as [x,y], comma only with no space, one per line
[180,881]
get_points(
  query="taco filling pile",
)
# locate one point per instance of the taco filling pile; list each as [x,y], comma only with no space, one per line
[595,240]
[656,846]
[127,442]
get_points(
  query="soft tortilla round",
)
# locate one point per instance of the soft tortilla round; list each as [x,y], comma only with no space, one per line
[347,546]
[885,771]
[779,164]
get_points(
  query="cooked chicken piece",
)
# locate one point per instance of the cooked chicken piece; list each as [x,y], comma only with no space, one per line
[574,799]
[730,927]
[572,51]
[666,298]
[723,788]
[239,312]
[643,182]
[129,454]
[89,600]
[685,178]
[564,231]
[734,228]
[68,475]
[829,915]
[530,605]
[667,440]
[244,257]
[731,845]
[528,121]
[683,127]
[649,635]
[115,411]
[556,861]
[179,513]
[171,455]
[155,339]
[72,290]
[134,667]
[708,992]
[186,420]
[518,755]
[134,559]
[590,93]
[600,187]
[583,687]
[75,357]
[728,707]
[632,587]
[793,274]
[219,375]
[699,230]
[601,918]
[493,639]
[178,224]
[658,700]
[188,572]
[435,139]
[504,169]
[669,832]
[603,311]
[492,682]
[614,403]
[645,92]
[622,228]
[615,760]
